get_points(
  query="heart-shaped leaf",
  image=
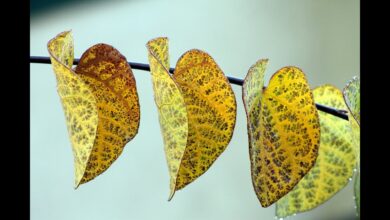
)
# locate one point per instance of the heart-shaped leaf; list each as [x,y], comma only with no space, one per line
[283,130]
[211,107]
[335,163]
[203,110]
[100,102]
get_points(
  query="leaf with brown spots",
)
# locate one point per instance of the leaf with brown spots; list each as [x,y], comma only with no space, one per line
[335,163]
[211,107]
[201,95]
[100,102]
[283,130]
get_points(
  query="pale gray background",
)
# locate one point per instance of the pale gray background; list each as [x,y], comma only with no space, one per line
[321,37]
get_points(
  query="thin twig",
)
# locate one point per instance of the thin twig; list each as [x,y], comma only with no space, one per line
[141,66]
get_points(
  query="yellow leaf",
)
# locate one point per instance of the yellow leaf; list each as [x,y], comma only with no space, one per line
[283,130]
[251,96]
[199,103]
[114,87]
[171,107]
[77,99]
[100,102]
[335,163]
[211,107]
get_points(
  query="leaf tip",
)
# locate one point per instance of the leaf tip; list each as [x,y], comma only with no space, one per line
[157,40]
[171,195]
[78,182]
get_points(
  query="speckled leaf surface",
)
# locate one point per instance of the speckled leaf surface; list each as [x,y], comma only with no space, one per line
[211,109]
[171,106]
[284,133]
[204,101]
[335,163]
[100,102]
[251,95]
[111,79]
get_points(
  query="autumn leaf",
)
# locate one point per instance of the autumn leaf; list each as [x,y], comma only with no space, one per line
[335,163]
[100,102]
[171,106]
[211,107]
[352,99]
[283,130]
[202,104]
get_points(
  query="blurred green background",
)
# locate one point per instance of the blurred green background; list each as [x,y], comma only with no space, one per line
[321,37]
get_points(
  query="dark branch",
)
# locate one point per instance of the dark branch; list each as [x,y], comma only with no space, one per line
[336,112]
[141,66]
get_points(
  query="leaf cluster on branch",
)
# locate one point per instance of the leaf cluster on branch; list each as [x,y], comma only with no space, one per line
[299,157]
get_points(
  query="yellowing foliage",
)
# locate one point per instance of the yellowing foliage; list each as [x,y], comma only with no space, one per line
[100,102]
[211,107]
[335,163]
[171,107]
[197,115]
[206,104]
[283,130]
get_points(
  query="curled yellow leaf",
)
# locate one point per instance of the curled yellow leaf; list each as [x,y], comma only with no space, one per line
[100,102]
[335,163]
[171,107]
[201,103]
[283,130]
